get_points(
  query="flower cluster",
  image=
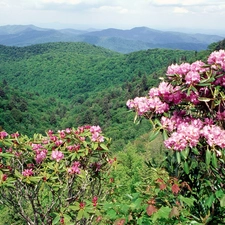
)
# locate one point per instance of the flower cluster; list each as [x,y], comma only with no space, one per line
[57,155]
[3,134]
[96,134]
[143,105]
[217,58]
[75,168]
[191,88]
[40,151]
[28,172]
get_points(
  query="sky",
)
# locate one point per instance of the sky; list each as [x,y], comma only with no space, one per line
[202,15]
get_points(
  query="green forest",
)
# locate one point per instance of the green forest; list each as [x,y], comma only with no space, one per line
[55,86]
[58,85]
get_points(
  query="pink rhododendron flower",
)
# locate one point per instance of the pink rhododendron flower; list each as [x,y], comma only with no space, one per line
[15,135]
[143,105]
[96,137]
[94,129]
[181,70]
[62,133]
[40,155]
[192,77]
[28,172]
[72,148]
[188,132]
[3,134]
[57,155]
[217,57]
[198,66]
[40,151]
[75,168]
[214,135]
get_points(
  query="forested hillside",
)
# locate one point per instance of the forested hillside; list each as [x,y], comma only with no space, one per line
[58,85]
[76,175]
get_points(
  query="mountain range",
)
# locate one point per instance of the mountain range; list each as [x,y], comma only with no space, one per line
[123,41]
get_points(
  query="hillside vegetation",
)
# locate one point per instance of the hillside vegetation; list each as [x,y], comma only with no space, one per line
[58,85]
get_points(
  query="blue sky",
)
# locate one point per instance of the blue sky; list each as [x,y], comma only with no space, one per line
[123,14]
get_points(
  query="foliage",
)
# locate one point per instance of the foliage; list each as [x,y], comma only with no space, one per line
[55,179]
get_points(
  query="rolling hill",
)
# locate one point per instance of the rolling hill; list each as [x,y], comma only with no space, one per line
[124,41]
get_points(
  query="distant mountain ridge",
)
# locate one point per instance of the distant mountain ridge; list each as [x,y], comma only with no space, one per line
[124,41]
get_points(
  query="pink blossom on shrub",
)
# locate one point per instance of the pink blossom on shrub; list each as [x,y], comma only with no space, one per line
[57,155]
[192,77]
[58,142]
[220,81]
[62,133]
[96,137]
[3,134]
[217,57]
[176,142]
[94,129]
[75,168]
[187,133]
[40,152]
[193,97]
[167,93]
[140,104]
[178,69]
[72,148]
[214,135]
[143,105]
[220,115]
[28,172]
[68,130]
[198,66]
[15,135]
[40,155]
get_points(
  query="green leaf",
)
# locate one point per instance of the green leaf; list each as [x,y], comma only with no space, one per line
[163,212]
[188,201]
[94,145]
[103,146]
[35,179]
[204,99]
[214,160]
[219,193]
[17,174]
[185,153]
[207,157]
[178,157]
[56,219]
[195,151]
[165,136]
[186,167]
[153,134]
[222,201]
[6,155]
[75,207]
[80,214]
[210,200]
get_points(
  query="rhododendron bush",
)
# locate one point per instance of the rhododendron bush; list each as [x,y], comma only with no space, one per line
[57,178]
[188,107]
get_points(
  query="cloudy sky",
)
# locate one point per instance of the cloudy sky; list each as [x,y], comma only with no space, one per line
[123,14]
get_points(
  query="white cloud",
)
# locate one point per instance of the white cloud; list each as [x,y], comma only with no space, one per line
[180,10]
[111,9]
[62,1]
[185,3]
